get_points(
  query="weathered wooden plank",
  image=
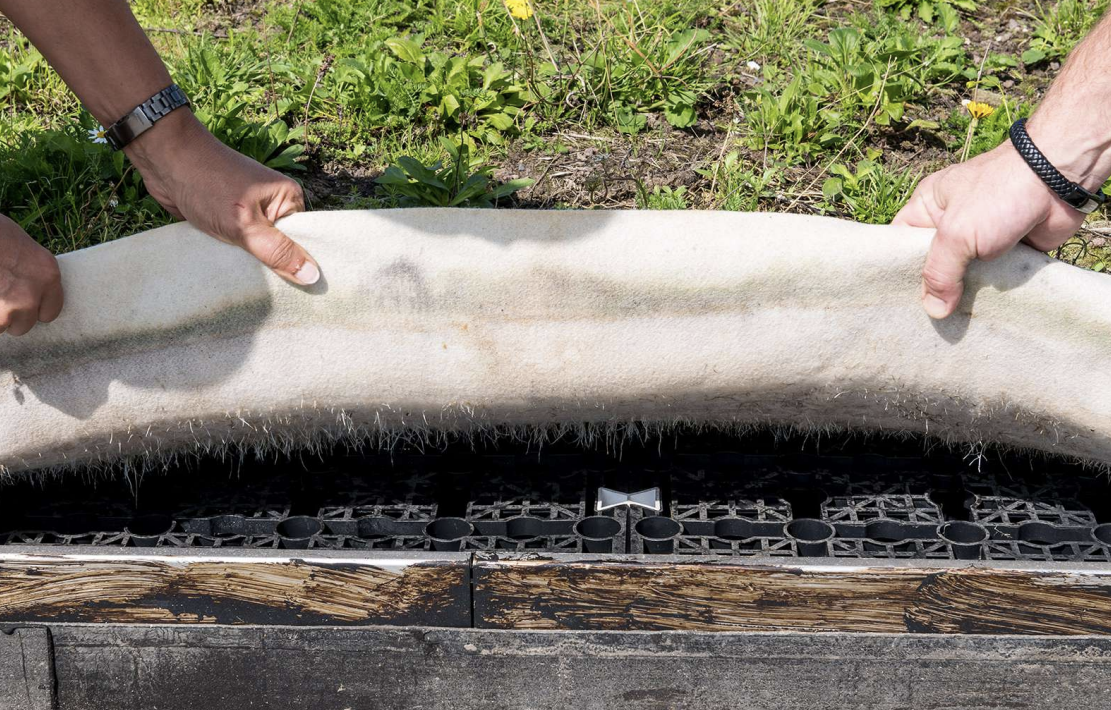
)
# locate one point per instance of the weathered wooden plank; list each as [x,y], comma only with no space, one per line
[645,595]
[188,667]
[556,592]
[242,589]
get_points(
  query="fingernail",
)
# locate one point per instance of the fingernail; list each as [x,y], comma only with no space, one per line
[308,274]
[935,307]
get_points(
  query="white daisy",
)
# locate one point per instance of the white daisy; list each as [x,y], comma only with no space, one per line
[96,135]
[754,66]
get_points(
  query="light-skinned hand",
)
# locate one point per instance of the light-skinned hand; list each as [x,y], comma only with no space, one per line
[981,209]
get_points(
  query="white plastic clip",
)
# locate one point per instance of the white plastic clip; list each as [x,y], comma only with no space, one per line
[609,499]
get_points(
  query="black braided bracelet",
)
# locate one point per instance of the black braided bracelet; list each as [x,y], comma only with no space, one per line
[1074,195]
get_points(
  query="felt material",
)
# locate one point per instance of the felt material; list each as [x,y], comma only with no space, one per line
[533,323]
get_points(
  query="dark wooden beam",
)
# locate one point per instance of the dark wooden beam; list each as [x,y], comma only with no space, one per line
[553,592]
[256,588]
[185,667]
[630,594]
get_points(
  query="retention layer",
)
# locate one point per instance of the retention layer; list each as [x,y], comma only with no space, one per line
[432,322]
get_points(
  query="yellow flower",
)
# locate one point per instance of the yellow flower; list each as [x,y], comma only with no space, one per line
[979,109]
[521,9]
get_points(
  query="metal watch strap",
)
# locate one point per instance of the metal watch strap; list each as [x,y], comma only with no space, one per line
[145,115]
[1073,195]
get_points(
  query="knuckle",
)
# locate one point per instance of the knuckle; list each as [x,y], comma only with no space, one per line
[288,196]
[281,254]
[936,280]
[53,270]
[928,183]
[50,273]
[243,218]
[298,195]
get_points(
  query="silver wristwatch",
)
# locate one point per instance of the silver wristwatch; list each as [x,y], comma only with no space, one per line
[143,116]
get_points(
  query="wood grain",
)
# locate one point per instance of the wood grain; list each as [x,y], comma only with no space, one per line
[628,595]
[510,592]
[151,590]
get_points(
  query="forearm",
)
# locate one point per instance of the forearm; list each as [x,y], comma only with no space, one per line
[98,49]
[101,52]
[1071,126]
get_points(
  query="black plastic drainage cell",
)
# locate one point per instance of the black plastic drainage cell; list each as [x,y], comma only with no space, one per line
[720,497]
[443,578]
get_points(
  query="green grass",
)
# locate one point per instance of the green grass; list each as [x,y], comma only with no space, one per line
[793,105]
[1059,26]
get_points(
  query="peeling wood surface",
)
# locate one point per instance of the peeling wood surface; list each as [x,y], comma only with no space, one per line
[554,593]
[284,591]
[542,594]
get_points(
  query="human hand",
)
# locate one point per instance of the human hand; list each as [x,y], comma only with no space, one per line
[222,193]
[981,209]
[30,282]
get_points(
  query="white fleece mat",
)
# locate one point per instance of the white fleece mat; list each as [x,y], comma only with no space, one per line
[434,321]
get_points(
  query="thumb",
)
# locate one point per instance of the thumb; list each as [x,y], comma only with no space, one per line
[943,275]
[284,256]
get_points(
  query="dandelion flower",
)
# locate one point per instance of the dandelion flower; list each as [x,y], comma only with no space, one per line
[521,9]
[979,109]
[97,135]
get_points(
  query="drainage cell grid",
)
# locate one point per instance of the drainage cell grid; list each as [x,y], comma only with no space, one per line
[718,496]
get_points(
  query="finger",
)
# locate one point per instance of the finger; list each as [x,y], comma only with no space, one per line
[914,213]
[52,301]
[922,209]
[950,253]
[283,255]
[297,199]
[22,321]
[290,200]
